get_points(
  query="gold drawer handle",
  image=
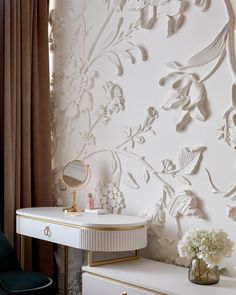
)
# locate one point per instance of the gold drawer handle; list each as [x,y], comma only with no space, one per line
[47,231]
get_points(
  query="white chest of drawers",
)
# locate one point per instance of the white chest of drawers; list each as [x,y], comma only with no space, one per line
[146,277]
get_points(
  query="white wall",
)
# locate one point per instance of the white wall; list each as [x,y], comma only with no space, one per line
[109,59]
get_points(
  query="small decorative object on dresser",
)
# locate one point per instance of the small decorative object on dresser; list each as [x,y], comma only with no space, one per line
[205,249]
[90,202]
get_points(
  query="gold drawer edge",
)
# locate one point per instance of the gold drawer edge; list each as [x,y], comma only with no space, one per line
[125,283]
[123,228]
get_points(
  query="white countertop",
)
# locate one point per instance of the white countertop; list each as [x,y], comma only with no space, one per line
[84,219]
[161,277]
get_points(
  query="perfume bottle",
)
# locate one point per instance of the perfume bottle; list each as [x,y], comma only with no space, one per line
[90,202]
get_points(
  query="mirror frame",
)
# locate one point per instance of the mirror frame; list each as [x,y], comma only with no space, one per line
[87,177]
[74,209]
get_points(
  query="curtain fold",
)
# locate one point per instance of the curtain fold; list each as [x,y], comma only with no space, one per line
[25,119]
[1,116]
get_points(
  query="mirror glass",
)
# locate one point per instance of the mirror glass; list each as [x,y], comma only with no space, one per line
[75,174]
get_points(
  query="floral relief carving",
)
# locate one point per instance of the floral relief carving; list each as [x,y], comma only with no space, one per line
[151,11]
[108,194]
[75,94]
[229,194]
[189,93]
[136,134]
[57,24]
[231,212]
[189,161]
[177,204]
[188,98]
[203,4]
[228,130]
[116,45]
[59,190]
[79,73]
[115,102]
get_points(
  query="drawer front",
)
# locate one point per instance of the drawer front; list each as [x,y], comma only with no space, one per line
[94,285]
[47,231]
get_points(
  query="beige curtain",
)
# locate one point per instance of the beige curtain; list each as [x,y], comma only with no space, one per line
[25,118]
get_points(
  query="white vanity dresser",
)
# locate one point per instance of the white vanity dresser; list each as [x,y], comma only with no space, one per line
[86,231]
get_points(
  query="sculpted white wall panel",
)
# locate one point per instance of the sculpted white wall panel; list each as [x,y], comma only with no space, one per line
[143,91]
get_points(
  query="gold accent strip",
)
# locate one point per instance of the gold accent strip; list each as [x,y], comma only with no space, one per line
[91,262]
[22,252]
[65,270]
[83,227]
[125,283]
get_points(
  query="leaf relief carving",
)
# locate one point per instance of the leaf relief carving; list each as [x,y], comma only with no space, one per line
[184,204]
[189,159]
[206,55]
[231,212]
[228,129]
[131,181]
[154,213]
[203,5]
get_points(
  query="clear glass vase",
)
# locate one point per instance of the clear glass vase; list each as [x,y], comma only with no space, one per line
[200,274]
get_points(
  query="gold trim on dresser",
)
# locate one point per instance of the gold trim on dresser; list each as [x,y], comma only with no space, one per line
[65,270]
[99,228]
[22,251]
[91,262]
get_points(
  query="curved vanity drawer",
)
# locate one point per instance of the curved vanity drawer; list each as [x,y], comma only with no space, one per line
[101,233]
[83,237]
[95,284]
[52,232]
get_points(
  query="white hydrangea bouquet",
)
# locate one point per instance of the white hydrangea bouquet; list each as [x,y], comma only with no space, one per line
[209,245]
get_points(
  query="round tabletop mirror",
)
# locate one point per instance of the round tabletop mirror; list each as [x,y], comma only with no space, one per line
[75,175]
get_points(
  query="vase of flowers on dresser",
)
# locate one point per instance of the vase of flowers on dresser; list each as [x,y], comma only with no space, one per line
[205,249]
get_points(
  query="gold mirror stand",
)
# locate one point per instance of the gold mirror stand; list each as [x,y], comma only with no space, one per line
[74,208]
